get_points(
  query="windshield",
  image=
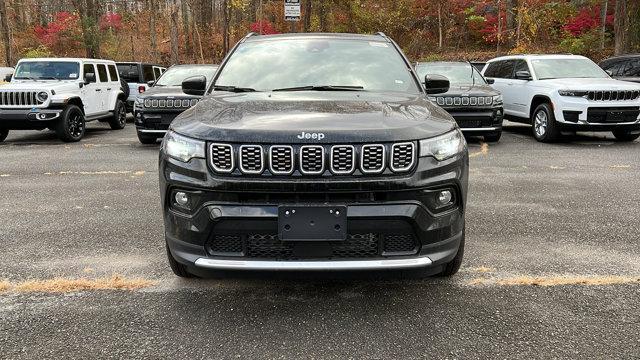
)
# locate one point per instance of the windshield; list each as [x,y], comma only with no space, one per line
[47,70]
[326,64]
[460,73]
[174,76]
[567,68]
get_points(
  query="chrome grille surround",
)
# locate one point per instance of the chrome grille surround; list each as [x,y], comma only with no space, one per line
[311,159]
[372,158]
[342,159]
[251,159]
[169,103]
[403,156]
[279,155]
[221,157]
[464,100]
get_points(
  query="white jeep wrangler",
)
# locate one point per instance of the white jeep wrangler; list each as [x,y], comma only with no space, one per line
[62,94]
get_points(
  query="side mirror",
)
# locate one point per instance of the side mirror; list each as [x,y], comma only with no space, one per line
[195,85]
[490,81]
[89,78]
[436,84]
[150,83]
[8,77]
[523,75]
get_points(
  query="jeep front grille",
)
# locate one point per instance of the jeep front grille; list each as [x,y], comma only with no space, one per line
[221,157]
[19,98]
[281,160]
[307,160]
[251,159]
[372,158]
[613,95]
[402,156]
[169,103]
[464,100]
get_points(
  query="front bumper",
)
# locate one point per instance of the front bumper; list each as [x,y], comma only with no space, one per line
[154,121]
[233,223]
[478,121]
[26,119]
[580,114]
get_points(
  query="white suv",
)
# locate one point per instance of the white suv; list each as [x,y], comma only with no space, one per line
[62,95]
[565,93]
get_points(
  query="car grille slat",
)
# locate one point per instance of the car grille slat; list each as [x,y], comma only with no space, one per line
[372,158]
[343,159]
[169,103]
[281,160]
[311,159]
[221,157]
[251,159]
[464,100]
[19,98]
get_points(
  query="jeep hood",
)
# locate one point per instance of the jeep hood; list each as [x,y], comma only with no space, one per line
[164,91]
[44,85]
[588,84]
[472,90]
[349,116]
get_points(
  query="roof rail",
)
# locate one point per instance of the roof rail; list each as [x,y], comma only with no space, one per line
[380,33]
[249,35]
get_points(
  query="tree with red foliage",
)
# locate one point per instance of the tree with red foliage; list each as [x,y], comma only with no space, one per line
[587,19]
[264,27]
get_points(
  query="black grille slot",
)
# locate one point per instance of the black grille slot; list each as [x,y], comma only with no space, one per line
[312,159]
[251,159]
[225,244]
[342,159]
[400,243]
[281,160]
[221,156]
[357,246]
[267,246]
[402,156]
[372,159]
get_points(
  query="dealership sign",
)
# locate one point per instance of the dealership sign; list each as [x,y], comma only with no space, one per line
[292,10]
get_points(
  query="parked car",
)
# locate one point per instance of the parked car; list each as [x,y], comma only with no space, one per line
[139,77]
[158,106]
[476,107]
[479,65]
[565,93]
[625,67]
[314,152]
[62,94]
[5,74]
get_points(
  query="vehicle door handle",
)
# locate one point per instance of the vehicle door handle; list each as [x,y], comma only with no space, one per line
[108,89]
[98,89]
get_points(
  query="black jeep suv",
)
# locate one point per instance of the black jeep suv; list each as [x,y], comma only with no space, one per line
[156,108]
[470,100]
[314,152]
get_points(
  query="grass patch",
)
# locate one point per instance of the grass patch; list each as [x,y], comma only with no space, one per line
[484,150]
[65,285]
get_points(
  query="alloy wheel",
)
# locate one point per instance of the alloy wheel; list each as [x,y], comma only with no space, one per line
[76,125]
[122,115]
[541,122]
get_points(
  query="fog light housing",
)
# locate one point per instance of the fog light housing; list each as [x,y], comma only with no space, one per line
[445,197]
[42,116]
[181,198]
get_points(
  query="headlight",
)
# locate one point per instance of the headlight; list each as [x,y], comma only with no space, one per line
[444,146]
[42,96]
[497,100]
[181,147]
[577,93]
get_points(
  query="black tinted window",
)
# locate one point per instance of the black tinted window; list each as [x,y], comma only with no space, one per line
[113,73]
[521,65]
[88,68]
[500,69]
[157,72]
[632,68]
[102,71]
[147,73]
[129,72]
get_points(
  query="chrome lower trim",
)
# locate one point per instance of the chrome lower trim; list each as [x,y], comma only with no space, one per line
[480,129]
[152,131]
[337,265]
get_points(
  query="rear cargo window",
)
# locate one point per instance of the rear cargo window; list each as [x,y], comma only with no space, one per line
[129,72]
[147,73]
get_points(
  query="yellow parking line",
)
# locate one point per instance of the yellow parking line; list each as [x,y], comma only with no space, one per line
[558,280]
[484,150]
[66,285]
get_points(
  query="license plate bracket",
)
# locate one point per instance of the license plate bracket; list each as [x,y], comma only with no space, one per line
[615,116]
[312,223]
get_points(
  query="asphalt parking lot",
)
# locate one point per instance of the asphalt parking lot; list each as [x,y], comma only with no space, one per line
[539,215]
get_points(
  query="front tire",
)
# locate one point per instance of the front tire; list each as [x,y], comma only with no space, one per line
[625,135]
[178,269]
[3,134]
[71,126]
[545,128]
[146,139]
[119,119]
[493,137]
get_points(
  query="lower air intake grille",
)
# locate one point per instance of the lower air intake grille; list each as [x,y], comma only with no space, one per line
[224,244]
[404,243]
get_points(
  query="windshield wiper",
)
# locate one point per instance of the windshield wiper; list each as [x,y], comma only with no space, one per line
[231,88]
[322,88]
